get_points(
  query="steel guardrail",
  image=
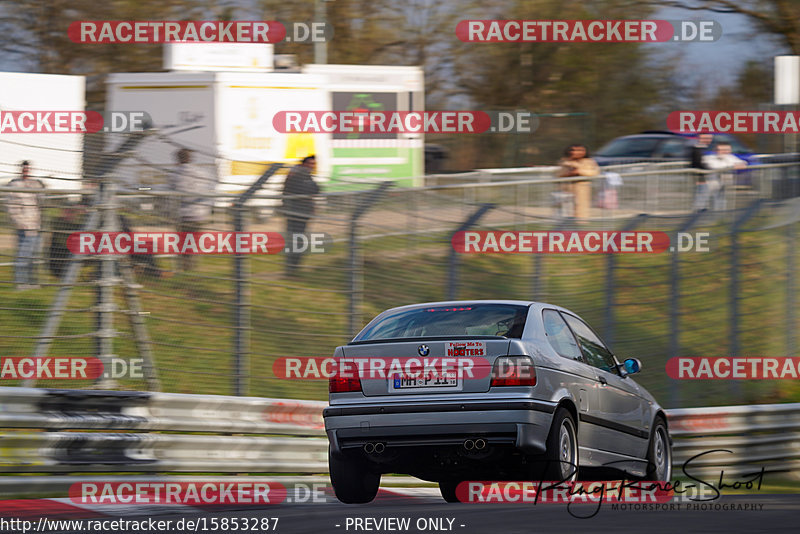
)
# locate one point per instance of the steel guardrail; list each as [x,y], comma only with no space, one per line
[76,431]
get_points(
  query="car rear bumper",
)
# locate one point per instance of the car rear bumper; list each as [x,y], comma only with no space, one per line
[521,424]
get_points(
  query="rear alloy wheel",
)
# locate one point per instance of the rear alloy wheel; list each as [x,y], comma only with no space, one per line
[353,482]
[561,457]
[659,454]
[448,489]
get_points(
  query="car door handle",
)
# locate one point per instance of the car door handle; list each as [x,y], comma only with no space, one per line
[602,380]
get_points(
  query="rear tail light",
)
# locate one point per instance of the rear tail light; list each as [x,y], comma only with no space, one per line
[343,385]
[345,380]
[513,371]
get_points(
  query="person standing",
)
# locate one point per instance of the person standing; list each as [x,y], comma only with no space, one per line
[699,149]
[697,153]
[725,163]
[26,216]
[191,211]
[298,206]
[576,162]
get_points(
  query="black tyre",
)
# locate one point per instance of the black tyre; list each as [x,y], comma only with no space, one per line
[352,480]
[448,490]
[561,457]
[659,453]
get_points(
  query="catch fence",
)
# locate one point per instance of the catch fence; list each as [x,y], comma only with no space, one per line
[218,324]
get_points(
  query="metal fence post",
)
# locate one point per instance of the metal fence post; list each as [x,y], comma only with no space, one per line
[104,302]
[611,266]
[104,306]
[751,210]
[241,305]
[452,276]
[675,306]
[537,286]
[356,278]
[791,240]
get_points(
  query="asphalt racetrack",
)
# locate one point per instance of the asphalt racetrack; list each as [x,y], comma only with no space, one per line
[735,513]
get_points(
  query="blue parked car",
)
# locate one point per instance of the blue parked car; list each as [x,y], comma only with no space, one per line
[655,146]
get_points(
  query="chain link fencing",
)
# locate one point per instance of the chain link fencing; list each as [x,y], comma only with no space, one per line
[217,323]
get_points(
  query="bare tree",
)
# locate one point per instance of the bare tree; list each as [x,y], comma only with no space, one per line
[780,18]
[34,32]
[377,32]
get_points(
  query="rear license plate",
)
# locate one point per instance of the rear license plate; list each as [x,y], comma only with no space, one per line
[410,382]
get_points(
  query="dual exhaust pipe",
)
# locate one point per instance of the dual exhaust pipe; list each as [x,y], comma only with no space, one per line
[474,445]
[469,445]
[374,448]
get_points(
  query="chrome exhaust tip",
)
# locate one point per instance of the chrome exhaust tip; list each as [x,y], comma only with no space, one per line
[369,448]
[480,444]
[469,444]
[379,448]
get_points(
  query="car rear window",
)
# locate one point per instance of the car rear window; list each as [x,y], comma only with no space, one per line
[507,320]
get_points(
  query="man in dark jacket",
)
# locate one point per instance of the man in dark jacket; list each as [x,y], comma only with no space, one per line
[698,151]
[298,205]
[700,148]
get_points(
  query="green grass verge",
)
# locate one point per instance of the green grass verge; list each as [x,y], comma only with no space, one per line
[191,314]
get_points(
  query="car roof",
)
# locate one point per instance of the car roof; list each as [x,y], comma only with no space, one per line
[665,132]
[684,134]
[650,134]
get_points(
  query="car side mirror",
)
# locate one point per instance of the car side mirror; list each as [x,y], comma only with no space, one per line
[632,365]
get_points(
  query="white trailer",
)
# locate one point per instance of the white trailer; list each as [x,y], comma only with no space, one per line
[357,157]
[232,113]
[56,158]
[225,117]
